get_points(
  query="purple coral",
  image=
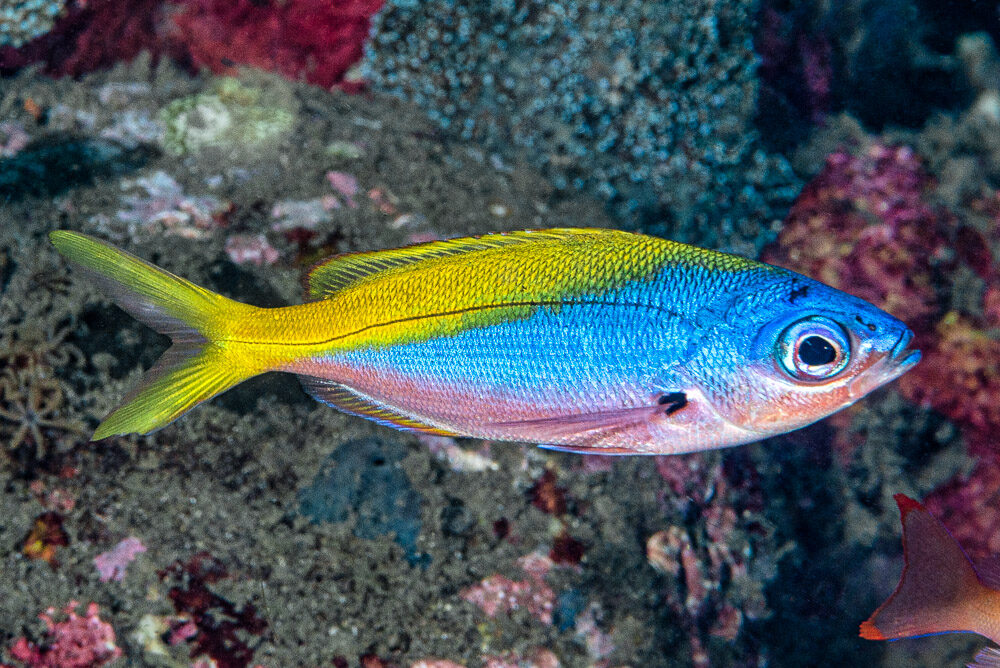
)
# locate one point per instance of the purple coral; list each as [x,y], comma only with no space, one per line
[111,565]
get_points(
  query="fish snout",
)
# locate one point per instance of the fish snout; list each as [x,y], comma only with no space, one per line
[891,357]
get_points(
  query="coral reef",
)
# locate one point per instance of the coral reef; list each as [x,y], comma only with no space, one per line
[646,105]
[306,40]
[309,40]
[74,642]
[409,524]
[23,20]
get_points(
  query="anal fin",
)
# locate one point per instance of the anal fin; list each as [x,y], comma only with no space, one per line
[352,402]
[598,432]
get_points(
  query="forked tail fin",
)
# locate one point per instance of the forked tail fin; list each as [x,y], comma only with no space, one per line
[939,591]
[196,367]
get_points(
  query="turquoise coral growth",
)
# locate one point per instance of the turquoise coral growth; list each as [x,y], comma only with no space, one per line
[647,105]
[23,21]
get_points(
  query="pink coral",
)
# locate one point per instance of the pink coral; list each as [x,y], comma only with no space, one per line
[76,642]
[111,565]
[345,185]
[251,249]
[498,593]
[864,224]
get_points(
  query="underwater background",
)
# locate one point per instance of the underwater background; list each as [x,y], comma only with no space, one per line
[238,142]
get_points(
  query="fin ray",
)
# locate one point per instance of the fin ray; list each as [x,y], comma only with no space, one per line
[346,270]
[937,587]
[351,402]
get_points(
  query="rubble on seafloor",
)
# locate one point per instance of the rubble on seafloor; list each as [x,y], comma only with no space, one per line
[216,538]
[275,531]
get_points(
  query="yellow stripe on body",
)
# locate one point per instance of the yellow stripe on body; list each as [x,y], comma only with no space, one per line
[414,294]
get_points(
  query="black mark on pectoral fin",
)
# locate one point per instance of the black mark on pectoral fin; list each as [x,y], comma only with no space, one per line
[674,401]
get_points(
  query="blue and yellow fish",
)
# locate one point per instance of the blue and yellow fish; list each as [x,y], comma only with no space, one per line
[584,340]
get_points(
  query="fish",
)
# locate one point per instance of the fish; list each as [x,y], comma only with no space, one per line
[578,339]
[940,590]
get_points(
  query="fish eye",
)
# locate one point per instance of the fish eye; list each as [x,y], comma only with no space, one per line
[814,348]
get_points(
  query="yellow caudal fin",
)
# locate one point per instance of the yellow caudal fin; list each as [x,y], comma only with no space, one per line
[196,367]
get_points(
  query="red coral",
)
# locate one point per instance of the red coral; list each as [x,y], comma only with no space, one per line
[217,620]
[94,34]
[312,40]
[76,642]
[567,550]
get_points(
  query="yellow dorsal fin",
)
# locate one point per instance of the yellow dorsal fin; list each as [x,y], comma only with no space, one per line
[350,269]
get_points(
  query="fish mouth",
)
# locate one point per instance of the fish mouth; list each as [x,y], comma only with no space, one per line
[897,361]
[901,358]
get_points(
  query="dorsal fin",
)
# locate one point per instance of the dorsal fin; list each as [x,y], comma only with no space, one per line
[344,398]
[346,270]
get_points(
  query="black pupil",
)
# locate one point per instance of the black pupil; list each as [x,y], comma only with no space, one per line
[816,351]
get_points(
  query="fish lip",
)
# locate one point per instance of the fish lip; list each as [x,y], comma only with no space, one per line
[897,361]
[901,357]
[904,340]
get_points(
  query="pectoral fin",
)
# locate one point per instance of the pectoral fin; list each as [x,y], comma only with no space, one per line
[621,431]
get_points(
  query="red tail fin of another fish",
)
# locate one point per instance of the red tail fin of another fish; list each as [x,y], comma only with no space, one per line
[939,591]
